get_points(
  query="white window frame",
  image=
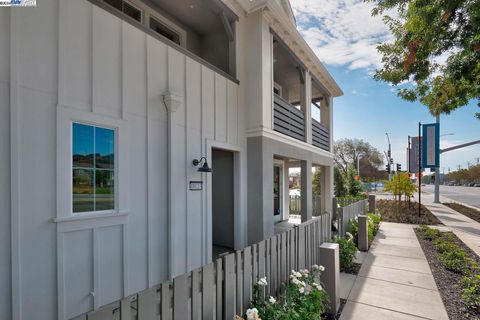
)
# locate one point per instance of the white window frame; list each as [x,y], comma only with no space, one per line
[168,23]
[115,171]
[136,6]
[66,116]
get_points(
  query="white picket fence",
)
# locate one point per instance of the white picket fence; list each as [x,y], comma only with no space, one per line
[345,214]
[223,289]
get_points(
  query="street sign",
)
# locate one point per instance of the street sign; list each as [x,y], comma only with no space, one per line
[431,145]
[414,154]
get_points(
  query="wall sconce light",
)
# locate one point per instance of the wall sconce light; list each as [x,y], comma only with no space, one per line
[205,167]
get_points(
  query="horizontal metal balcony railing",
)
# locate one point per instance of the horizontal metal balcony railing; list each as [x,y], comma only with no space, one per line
[287,119]
[320,135]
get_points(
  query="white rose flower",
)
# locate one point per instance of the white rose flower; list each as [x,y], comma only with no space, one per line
[321,268]
[272,300]
[262,282]
[315,267]
[301,290]
[252,314]
[349,235]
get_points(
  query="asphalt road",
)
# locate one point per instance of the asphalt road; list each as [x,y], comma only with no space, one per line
[468,195]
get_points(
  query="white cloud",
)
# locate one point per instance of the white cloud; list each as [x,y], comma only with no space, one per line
[354,92]
[342,32]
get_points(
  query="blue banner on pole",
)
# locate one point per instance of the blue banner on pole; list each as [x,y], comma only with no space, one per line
[431,145]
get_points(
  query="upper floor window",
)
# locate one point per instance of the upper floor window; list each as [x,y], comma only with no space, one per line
[165,31]
[206,29]
[93,168]
[127,8]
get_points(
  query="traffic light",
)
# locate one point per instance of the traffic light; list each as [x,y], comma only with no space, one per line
[399,167]
[387,168]
[391,160]
[389,153]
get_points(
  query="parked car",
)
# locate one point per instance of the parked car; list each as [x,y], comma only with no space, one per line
[476,185]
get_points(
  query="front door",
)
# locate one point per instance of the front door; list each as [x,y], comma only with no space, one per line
[278,192]
[222,201]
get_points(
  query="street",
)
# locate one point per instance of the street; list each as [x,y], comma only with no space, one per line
[467,195]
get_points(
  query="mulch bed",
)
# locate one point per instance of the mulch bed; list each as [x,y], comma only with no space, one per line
[466,211]
[339,312]
[401,212]
[354,269]
[448,281]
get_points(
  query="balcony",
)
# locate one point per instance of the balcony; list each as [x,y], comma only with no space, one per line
[300,102]
[288,119]
[320,136]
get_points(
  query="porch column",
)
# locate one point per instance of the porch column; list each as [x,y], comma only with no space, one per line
[286,195]
[326,117]
[307,93]
[306,184]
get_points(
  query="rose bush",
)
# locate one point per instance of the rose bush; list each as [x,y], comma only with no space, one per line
[303,297]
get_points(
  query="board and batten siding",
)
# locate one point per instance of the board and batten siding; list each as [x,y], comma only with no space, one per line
[5,244]
[73,57]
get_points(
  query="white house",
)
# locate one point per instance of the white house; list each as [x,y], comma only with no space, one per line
[104,106]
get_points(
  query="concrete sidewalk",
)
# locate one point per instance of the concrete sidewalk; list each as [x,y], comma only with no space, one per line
[395,281]
[468,230]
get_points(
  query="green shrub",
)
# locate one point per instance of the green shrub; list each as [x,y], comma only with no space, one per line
[454,260]
[471,291]
[431,234]
[347,253]
[442,246]
[376,218]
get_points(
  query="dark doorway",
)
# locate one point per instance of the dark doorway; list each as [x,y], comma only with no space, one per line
[223,239]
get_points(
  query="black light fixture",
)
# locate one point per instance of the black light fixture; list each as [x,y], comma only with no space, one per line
[205,167]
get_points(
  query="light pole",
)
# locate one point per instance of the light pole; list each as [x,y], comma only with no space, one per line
[389,155]
[436,198]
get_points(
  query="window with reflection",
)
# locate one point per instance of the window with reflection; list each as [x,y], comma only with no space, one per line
[93,168]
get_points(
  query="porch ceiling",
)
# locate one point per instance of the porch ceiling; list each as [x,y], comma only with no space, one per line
[202,16]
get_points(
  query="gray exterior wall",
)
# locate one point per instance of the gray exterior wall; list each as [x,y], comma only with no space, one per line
[5,262]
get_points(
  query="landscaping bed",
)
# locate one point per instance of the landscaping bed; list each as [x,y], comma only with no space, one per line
[456,271]
[354,268]
[401,212]
[466,211]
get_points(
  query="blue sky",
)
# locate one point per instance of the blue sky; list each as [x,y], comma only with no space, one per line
[344,36]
